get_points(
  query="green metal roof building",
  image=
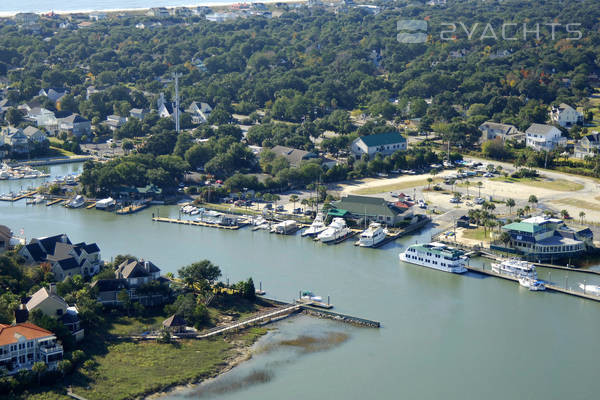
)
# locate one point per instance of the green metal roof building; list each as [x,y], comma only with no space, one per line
[373,208]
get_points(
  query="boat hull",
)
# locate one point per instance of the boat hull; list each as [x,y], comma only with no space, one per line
[459,269]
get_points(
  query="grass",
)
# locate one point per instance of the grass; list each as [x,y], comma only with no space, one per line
[124,326]
[397,186]
[57,151]
[559,185]
[476,234]
[42,394]
[129,369]
[578,203]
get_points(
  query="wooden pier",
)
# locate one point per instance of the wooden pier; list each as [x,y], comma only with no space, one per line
[132,209]
[390,237]
[196,223]
[91,205]
[19,197]
[53,202]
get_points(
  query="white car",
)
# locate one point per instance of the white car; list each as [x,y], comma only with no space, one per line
[454,200]
[479,200]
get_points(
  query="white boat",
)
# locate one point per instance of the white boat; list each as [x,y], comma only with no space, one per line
[590,289]
[532,284]
[309,296]
[105,203]
[372,236]
[37,199]
[437,256]
[286,227]
[516,269]
[317,226]
[336,230]
[76,202]
[259,221]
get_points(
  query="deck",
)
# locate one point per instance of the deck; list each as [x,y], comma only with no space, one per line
[197,223]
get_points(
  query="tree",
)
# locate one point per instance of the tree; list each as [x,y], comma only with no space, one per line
[581,215]
[125,300]
[479,186]
[564,213]
[294,198]
[533,200]
[429,181]
[64,367]
[248,290]
[510,203]
[39,368]
[505,238]
[202,273]
[13,116]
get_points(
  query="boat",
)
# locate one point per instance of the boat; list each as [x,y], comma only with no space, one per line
[105,204]
[437,256]
[307,295]
[76,202]
[372,236]
[259,221]
[37,199]
[336,230]
[590,289]
[515,268]
[285,228]
[532,284]
[317,226]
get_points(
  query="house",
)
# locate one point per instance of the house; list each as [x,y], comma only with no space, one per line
[54,94]
[589,145]
[491,130]
[138,113]
[75,125]
[51,304]
[175,324]
[565,115]
[158,12]
[26,18]
[90,90]
[35,135]
[16,139]
[166,109]
[372,208]
[543,238]
[544,137]
[114,122]
[199,112]
[97,16]
[37,249]
[382,143]
[24,344]
[137,273]
[294,156]
[6,236]
[42,118]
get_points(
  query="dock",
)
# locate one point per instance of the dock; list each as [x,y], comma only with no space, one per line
[314,303]
[19,197]
[196,223]
[53,202]
[390,237]
[132,209]
[91,205]
[549,286]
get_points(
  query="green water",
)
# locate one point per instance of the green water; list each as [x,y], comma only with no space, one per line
[443,336]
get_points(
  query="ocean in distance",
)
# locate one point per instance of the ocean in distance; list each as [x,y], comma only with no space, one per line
[11,7]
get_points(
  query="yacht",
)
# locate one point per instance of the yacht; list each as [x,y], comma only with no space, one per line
[590,289]
[336,230]
[516,269]
[105,204]
[309,296]
[317,226]
[532,284]
[285,228]
[37,199]
[437,256]
[372,236]
[76,202]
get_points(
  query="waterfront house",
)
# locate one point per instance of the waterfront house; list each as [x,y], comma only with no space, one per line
[294,156]
[542,238]
[565,115]
[372,208]
[136,272]
[35,135]
[544,137]
[42,118]
[24,344]
[175,324]
[588,146]
[382,143]
[75,125]
[491,130]
[16,139]
[158,12]
[199,112]
[26,18]
[51,304]
[6,236]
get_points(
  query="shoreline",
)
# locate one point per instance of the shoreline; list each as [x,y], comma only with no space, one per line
[137,10]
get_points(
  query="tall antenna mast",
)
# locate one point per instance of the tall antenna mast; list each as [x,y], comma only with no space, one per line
[177,76]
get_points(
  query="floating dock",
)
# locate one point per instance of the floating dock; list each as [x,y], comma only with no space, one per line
[53,202]
[132,209]
[314,303]
[19,197]
[196,223]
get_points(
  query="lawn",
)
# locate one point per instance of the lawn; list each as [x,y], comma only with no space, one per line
[42,394]
[560,185]
[397,186]
[476,234]
[129,369]
[125,326]
[58,152]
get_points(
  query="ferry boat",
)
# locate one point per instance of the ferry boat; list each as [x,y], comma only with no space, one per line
[372,236]
[336,230]
[532,284]
[76,202]
[437,256]
[317,226]
[515,269]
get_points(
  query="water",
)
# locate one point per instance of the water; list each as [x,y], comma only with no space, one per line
[443,336]
[39,6]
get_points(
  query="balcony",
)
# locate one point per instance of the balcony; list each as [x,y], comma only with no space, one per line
[53,349]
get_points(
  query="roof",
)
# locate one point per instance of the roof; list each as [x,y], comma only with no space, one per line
[91,248]
[540,129]
[49,243]
[440,249]
[5,231]
[40,296]
[336,212]
[68,263]
[505,128]
[174,320]
[8,333]
[593,138]
[110,285]
[36,252]
[365,205]
[74,119]
[136,269]
[294,156]
[382,139]
[564,107]
[31,130]
[523,227]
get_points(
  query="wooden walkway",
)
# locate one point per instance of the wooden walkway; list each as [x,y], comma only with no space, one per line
[19,197]
[132,209]
[52,202]
[196,223]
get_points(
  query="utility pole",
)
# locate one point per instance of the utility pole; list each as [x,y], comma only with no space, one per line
[177,76]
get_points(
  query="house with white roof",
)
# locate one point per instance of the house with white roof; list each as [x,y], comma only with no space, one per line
[382,143]
[565,115]
[544,137]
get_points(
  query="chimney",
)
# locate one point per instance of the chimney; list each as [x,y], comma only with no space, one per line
[147,266]
[52,288]
[21,314]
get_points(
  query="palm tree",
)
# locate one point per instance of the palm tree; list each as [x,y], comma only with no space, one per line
[527,209]
[533,200]
[520,212]
[294,198]
[510,203]
[581,215]
[39,368]
[467,184]
[479,185]
[429,180]
[564,213]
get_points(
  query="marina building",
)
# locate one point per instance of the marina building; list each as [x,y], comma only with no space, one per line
[542,239]
[371,208]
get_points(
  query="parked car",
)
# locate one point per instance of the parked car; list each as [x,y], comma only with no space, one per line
[269,206]
[454,200]
[280,208]
[297,210]
[479,200]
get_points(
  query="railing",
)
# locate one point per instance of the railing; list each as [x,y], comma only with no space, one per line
[51,349]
